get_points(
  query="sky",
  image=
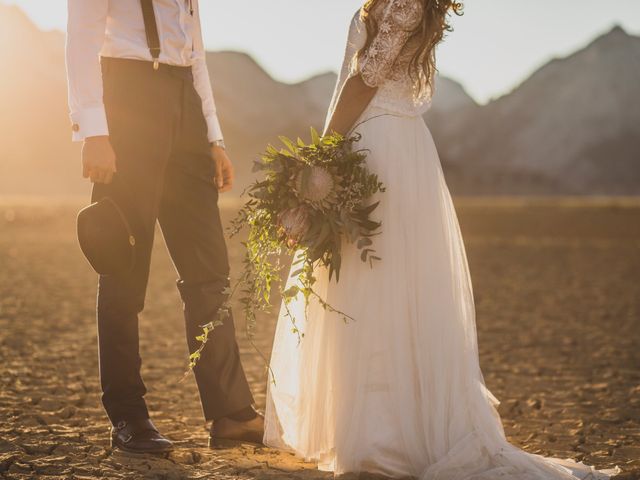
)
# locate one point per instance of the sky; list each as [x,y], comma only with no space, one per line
[495,46]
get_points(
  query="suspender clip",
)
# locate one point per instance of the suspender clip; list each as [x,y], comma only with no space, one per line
[151,30]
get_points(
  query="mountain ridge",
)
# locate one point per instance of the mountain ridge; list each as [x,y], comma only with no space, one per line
[556,124]
[573,127]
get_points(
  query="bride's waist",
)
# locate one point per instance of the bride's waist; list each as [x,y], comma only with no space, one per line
[398,99]
[402,108]
[374,111]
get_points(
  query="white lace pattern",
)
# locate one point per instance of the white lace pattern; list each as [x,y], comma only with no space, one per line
[389,54]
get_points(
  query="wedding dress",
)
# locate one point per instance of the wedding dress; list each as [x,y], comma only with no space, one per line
[397,391]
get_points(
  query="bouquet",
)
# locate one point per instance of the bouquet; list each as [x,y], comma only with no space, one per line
[312,197]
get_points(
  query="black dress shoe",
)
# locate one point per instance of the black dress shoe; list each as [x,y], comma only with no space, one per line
[139,436]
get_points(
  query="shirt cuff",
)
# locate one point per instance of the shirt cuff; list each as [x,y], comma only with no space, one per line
[214,129]
[89,122]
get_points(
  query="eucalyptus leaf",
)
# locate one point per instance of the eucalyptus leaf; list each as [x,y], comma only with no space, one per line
[364,242]
[369,209]
[291,291]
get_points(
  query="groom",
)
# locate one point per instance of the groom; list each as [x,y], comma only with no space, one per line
[141,101]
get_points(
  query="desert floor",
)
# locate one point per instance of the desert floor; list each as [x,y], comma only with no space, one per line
[557,287]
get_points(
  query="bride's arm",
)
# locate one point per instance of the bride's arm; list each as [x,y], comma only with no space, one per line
[354,98]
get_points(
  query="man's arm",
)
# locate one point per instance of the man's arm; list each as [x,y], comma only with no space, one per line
[87,20]
[224,168]
[86,25]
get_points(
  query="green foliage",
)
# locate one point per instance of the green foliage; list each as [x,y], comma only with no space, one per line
[312,196]
[223,313]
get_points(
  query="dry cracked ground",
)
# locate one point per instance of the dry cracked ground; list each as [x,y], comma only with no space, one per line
[558,295]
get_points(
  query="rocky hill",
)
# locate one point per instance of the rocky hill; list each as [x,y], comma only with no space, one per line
[572,127]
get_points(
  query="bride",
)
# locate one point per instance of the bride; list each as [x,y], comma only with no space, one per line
[398,391]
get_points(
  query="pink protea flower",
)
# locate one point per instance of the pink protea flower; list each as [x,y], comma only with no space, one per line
[317,185]
[294,223]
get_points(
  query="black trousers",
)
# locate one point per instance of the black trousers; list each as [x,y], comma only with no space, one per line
[164,173]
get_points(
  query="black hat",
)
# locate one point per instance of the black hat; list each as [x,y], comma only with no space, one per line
[106,238]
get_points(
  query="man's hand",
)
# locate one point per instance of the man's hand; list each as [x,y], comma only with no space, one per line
[224,175]
[98,159]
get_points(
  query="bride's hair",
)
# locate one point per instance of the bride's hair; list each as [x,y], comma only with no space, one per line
[428,34]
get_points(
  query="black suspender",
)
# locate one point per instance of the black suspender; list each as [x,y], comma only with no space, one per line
[151,29]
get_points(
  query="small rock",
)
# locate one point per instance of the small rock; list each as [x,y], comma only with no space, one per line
[43,419]
[50,468]
[45,448]
[65,449]
[629,451]
[30,421]
[19,467]
[184,457]
[534,403]
[6,459]
[84,471]
[599,387]
[50,405]
[247,464]
[67,412]
[602,453]
[580,440]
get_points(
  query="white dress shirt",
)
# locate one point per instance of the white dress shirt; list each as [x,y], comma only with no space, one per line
[115,28]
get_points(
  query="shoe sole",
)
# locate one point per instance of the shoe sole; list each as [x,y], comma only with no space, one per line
[140,452]
[225,444]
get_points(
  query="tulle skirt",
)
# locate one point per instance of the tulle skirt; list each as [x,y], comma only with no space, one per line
[397,391]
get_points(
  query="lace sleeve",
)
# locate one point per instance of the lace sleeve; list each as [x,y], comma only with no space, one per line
[398,19]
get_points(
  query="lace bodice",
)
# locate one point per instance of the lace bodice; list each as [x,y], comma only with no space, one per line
[385,63]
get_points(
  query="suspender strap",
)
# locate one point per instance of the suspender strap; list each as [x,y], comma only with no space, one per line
[151,29]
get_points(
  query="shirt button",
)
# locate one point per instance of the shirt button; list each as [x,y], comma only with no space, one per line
[75,127]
